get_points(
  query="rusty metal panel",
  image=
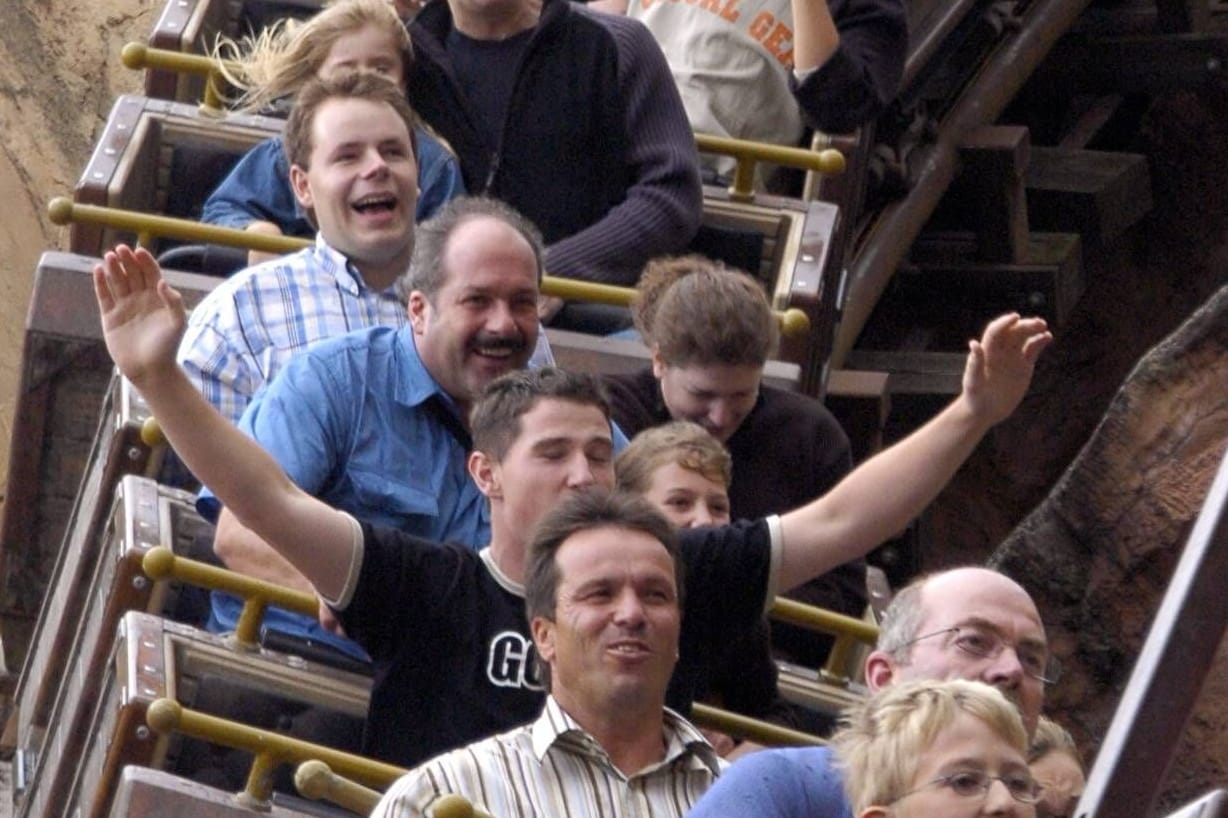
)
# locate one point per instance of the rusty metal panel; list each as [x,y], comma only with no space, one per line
[134,163]
[154,658]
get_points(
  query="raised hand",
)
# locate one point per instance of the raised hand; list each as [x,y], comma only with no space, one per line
[142,315]
[1000,365]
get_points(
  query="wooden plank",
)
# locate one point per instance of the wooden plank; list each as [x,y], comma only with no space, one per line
[1098,194]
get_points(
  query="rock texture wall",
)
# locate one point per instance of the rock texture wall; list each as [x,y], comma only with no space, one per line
[59,73]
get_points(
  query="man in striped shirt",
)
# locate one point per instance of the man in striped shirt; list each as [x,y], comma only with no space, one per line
[603,596]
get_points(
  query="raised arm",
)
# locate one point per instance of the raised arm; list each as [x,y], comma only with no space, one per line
[850,56]
[882,495]
[142,320]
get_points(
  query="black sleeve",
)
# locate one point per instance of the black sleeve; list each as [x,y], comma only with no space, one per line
[863,76]
[404,589]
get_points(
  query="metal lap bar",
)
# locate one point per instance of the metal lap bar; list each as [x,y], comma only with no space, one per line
[162,563]
[748,154]
[139,56]
[147,226]
[849,632]
[316,780]
[752,729]
[270,749]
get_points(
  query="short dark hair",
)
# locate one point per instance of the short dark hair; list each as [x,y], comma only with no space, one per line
[495,419]
[426,272]
[698,312]
[586,510]
[297,136]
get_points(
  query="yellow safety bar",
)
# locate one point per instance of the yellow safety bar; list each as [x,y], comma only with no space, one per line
[314,779]
[747,153]
[847,630]
[148,226]
[827,161]
[138,56]
[752,729]
[270,749]
[162,563]
[257,595]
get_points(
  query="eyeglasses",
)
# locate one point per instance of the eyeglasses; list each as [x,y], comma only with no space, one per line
[984,643]
[975,784]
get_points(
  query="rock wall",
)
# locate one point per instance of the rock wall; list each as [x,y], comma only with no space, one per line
[59,73]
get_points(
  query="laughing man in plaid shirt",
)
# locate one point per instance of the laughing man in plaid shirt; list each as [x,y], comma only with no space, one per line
[242,334]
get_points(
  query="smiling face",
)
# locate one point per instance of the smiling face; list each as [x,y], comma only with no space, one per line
[687,498]
[361,183]
[613,642]
[716,396]
[966,745]
[371,48]
[482,322]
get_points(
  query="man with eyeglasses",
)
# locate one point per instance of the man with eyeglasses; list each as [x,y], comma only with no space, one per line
[966,623]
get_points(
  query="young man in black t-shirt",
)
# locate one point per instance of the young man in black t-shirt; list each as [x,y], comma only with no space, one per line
[431,615]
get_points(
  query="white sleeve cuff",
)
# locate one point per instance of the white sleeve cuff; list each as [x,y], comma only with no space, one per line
[351,578]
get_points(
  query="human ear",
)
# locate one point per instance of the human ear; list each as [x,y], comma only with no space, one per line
[880,670]
[543,638]
[418,307]
[485,474]
[301,187]
[658,363]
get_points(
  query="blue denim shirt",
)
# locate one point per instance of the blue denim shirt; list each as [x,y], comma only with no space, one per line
[356,421]
[258,188]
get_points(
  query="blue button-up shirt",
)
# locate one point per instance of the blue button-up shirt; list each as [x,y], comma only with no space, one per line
[358,422]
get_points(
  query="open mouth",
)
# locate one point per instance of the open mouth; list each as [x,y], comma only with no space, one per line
[375,204]
[499,349]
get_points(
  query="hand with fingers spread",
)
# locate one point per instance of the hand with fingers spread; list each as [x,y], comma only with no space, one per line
[1000,365]
[142,316]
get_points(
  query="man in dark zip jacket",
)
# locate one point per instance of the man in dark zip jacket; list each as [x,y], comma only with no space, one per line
[569,115]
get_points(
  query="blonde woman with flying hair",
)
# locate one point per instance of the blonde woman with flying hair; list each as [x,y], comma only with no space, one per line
[269,69]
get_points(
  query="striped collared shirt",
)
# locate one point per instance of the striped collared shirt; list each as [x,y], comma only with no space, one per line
[552,768]
[244,331]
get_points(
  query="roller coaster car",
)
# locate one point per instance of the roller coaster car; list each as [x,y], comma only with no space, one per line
[61,471]
[164,158]
[67,661]
[154,658]
[160,157]
[193,26]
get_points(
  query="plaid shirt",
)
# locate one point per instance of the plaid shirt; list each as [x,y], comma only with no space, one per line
[552,768]
[244,331]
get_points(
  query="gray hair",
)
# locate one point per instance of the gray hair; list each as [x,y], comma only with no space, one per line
[426,273]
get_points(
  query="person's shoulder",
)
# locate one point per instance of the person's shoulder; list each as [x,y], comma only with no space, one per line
[626,31]
[354,352]
[811,769]
[262,276]
[783,783]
